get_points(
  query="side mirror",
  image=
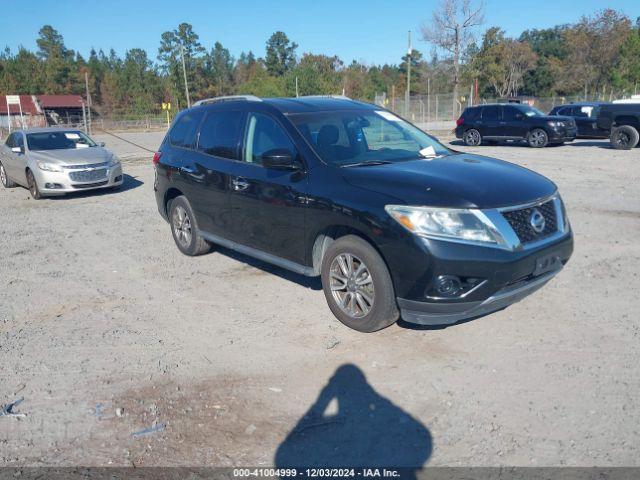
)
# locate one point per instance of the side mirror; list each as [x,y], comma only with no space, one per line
[17,149]
[279,158]
[101,144]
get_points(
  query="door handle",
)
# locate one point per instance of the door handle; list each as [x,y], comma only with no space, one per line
[239,184]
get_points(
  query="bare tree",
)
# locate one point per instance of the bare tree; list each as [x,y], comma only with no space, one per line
[452,30]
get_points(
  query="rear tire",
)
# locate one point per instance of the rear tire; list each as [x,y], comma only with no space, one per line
[33,186]
[185,229]
[357,285]
[537,138]
[472,138]
[624,138]
[4,178]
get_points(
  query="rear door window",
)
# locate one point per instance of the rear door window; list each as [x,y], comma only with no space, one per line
[510,113]
[221,134]
[183,133]
[491,112]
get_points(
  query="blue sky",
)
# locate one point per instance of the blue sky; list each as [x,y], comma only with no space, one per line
[373,31]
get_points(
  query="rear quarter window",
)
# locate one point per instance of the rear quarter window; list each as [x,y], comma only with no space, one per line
[470,113]
[183,133]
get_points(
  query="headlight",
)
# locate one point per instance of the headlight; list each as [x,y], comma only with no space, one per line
[457,225]
[114,161]
[49,167]
[555,124]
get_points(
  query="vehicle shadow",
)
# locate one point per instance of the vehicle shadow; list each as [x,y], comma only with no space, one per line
[314,283]
[128,183]
[352,425]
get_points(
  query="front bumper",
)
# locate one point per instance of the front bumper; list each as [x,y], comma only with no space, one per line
[508,278]
[563,134]
[59,183]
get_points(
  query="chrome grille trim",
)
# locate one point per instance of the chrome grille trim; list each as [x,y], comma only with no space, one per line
[87,166]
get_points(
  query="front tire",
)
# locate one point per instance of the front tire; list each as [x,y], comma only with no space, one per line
[33,186]
[185,229]
[624,138]
[357,285]
[538,138]
[4,178]
[472,138]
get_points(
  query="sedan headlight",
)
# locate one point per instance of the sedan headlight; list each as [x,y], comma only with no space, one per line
[456,225]
[555,124]
[114,161]
[49,167]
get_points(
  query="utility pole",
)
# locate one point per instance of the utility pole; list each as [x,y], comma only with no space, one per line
[184,73]
[88,120]
[297,92]
[407,93]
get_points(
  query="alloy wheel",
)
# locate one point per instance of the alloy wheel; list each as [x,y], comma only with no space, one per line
[472,137]
[182,226]
[538,138]
[3,176]
[351,285]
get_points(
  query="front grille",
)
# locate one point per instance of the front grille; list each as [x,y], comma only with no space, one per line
[88,176]
[91,185]
[84,167]
[520,221]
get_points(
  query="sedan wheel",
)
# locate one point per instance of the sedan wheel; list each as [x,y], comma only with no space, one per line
[352,285]
[33,186]
[4,178]
[472,138]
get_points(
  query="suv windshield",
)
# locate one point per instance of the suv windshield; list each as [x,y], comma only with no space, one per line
[345,138]
[59,140]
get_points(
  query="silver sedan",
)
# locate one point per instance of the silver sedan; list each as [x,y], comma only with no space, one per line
[55,161]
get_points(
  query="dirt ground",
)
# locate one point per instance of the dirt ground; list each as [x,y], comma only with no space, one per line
[107,330]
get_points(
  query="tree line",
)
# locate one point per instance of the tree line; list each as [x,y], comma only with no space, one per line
[600,54]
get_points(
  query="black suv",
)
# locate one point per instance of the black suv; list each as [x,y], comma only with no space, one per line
[395,223]
[586,117]
[512,121]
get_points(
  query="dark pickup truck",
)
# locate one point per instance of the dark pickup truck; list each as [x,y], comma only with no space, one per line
[622,121]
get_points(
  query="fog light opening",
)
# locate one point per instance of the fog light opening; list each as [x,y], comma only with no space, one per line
[452,286]
[52,185]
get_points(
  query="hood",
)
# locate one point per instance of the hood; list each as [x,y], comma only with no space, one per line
[555,118]
[459,180]
[73,156]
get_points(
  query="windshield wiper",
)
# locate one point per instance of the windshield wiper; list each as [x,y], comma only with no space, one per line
[367,163]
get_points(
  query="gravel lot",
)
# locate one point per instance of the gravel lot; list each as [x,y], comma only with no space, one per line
[107,330]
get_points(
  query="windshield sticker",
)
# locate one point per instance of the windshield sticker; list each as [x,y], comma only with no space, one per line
[388,116]
[72,136]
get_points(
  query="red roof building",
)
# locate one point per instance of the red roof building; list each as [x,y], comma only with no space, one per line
[29,105]
[60,101]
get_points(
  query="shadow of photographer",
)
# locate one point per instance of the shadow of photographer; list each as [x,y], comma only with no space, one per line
[351,425]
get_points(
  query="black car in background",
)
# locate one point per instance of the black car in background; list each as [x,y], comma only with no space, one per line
[512,121]
[394,223]
[586,118]
[622,121]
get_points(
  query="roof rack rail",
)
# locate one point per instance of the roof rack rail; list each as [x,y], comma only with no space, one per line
[227,98]
[343,97]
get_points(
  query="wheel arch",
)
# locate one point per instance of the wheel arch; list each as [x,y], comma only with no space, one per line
[330,234]
[629,120]
[169,195]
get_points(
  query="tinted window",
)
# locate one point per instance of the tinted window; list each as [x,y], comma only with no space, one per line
[11,140]
[510,113]
[183,133]
[491,112]
[264,134]
[221,134]
[18,141]
[470,113]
